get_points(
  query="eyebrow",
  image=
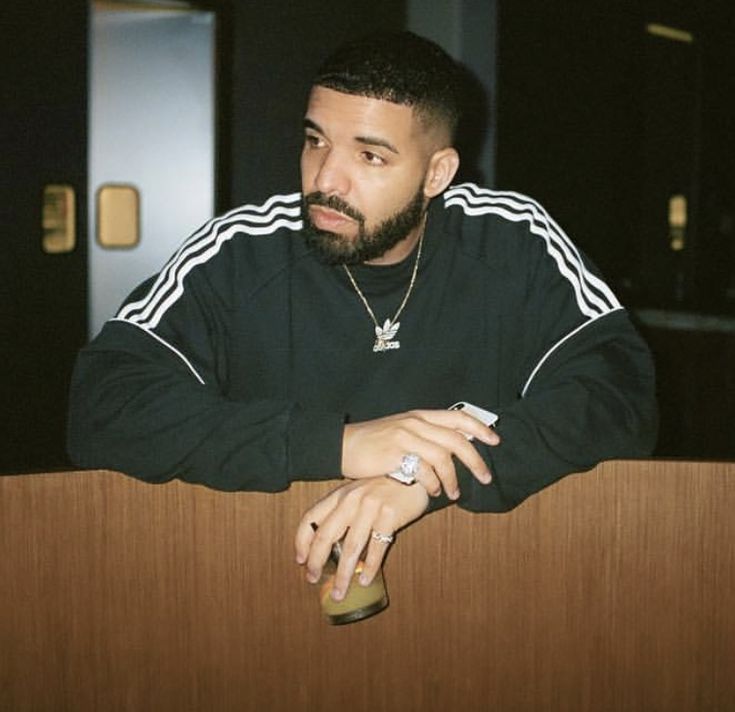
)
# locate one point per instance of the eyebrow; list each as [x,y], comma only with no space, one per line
[375,141]
[365,140]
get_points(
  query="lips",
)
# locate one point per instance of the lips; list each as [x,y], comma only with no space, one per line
[327,219]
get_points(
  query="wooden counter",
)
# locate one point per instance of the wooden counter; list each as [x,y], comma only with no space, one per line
[612,590]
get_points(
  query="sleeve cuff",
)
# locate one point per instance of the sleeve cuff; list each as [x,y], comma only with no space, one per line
[315,445]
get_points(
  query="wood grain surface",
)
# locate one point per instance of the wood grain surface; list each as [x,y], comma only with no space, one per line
[611,590]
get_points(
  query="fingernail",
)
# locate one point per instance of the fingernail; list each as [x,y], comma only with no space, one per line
[454,494]
[337,594]
[300,559]
[364,581]
[486,478]
[311,577]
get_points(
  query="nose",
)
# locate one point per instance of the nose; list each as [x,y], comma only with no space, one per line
[331,177]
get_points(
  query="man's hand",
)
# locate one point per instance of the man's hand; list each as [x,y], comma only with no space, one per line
[354,511]
[376,447]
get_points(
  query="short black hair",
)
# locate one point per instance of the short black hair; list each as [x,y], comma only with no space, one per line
[399,67]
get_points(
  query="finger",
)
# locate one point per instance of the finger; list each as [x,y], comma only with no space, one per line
[423,473]
[376,552]
[311,523]
[307,527]
[439,460]
[321,547]
[353,547]
[435,447]
[461,422]
[429,443]
[428,479]
[451,443]
[304,537]
[471,458]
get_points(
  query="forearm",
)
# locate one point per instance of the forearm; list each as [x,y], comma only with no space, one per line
[155,422]
[593,402]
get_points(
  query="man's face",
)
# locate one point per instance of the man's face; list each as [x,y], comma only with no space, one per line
[362,173]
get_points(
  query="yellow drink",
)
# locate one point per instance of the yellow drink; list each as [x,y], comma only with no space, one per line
[359,601]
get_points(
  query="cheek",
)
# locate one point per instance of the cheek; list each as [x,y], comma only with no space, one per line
[307,171]
[390,198]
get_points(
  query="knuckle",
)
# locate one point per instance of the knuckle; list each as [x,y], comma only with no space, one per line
[414,419]
[352,498]
[433,484]
[372,501]
[444,463]
[402,432]
[308,517]
[467,451]
[321,539]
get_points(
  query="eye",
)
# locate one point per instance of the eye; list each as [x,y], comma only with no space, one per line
[373,159]
[313,141]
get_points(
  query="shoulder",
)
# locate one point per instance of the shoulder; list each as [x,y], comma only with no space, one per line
[280,215]
[241,247]
[516,233]
[258,235]
[495,226]
[479,208]
[507,222]
[250,238]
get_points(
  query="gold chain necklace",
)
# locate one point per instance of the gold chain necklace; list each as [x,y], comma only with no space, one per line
[385,335]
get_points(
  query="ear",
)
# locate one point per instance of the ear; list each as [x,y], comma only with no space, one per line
[443,165]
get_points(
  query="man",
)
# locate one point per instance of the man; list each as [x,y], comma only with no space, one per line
[323,334]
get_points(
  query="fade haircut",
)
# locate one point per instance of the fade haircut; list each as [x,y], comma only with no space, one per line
[399,67]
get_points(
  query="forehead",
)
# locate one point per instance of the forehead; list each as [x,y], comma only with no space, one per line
[347,116]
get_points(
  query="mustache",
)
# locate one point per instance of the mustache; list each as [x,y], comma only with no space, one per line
[334,202]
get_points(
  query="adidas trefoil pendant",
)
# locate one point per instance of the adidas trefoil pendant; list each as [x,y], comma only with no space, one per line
[385,336]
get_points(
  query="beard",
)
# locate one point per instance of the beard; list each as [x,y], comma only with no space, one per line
[335,249]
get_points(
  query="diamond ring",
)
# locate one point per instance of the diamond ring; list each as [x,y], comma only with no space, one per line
[406,474]
[382,538]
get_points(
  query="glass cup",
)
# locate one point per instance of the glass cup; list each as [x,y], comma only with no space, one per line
[359,602]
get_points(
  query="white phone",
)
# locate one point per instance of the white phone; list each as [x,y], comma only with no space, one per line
[487,417]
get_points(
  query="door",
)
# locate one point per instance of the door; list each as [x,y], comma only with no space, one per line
[151,142]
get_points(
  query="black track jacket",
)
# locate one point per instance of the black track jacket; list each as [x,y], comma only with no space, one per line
[239,363]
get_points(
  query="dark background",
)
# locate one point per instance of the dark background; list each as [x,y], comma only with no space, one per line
[591,115]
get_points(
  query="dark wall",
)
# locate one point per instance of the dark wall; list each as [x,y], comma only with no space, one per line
[278,48]
[715,269]
[565,117]
[580,127]
[43,305]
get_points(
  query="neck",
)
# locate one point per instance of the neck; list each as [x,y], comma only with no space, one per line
[403,249]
